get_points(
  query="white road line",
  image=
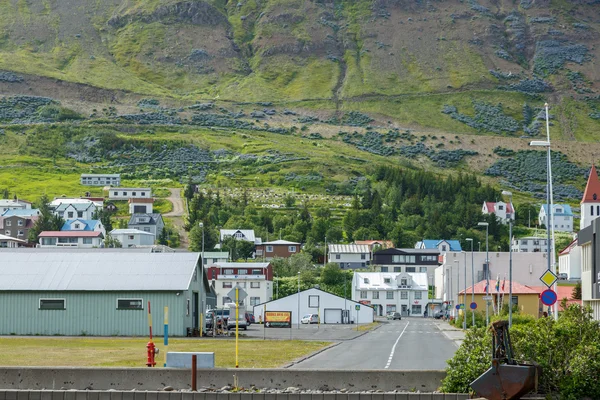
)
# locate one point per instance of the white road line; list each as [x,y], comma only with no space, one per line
[394,347]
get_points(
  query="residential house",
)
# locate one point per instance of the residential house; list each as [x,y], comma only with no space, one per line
[406,260]
[17,226]
[349,256]
[141,206]
[561,215]
[84,225]
[120,193]
[11,242]
[85,209]
[277,248]
[240,234]
[529,244]
[386,292]
[569,261]
[330,308]
[98,201]
[255,278]
[375,244]
[133,237]
[589,241]
[100,179]
[105,292]
[212,257]
[504,211]
[147,222]
[527,299]
[8,204]
[440,244]
[590,203]
[449,277]
[83,239]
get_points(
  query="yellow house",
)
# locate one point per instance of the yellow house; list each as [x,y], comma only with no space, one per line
[526,298]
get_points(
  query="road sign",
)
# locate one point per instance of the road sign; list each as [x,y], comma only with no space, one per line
[473,306]
[549,278]
[357,307]
[458,306]
[548,297]
[488,298]
[242,294]
[278,319]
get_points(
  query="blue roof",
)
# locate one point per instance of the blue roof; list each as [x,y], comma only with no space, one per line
[89,224]
[30,212]
[434,244]
[566,210]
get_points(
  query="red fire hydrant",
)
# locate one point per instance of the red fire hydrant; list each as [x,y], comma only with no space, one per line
[152,351]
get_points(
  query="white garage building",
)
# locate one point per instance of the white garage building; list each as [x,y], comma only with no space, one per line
[332,309]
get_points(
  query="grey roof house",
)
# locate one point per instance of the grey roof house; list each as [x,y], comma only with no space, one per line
[102,293]
[152,222]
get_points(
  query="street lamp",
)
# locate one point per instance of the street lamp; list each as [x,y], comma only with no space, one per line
[457,284]
[277,283]
[472,281]
[549,217]
[202,283]
[298,299]
[510,280]
[487,272]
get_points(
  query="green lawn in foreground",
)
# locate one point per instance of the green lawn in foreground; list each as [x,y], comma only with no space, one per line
[131,352]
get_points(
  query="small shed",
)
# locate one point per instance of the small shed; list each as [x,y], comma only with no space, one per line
[332,309]
[100,293]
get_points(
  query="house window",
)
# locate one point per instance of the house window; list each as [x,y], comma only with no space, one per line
[226,300]
[52,304]
[130,237]
[363,256]
[256,272]
[397,269]
[366,280]
[133,193]
[416,309]
[390,308]
[228,272]
[115,193]
[342,265]
[410,269]
[130,304]
[592,210]
[7,232]
[269,249]
[255,285]
[238,235]
[227,285]
[363,294]
[146,229]
[87,240]
[70,214]
[8,223]
[384,269]
[143,193]
[443,247]
[500,208]
[558,210]
[403,281]
[387,280]
[124,193]
[403,295]
[21,233]
[20,222]
[389,295]
[254,301]
[337,256]
[292,249]
[418,295]
[242,272]
[79,214]
[76,226]
[375,295]
[422,269]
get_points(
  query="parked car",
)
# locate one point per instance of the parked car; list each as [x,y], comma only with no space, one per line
[222,315]
[250,318]
[394,315]
[241,320]
[441,314]
[563,276]
[310,319]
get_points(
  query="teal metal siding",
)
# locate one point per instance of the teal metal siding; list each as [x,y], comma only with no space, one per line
[93,313]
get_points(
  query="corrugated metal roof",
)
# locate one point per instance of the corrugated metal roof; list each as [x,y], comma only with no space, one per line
[281,242]
[241,264]
[349,248]
[248,233]
[565,207]
[94,271]
[90,224]
[130,232]
[32,212]
[70,234]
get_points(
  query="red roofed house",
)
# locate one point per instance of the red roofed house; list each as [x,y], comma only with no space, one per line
[83,239]
[527,298]
[504,211]
[590,204]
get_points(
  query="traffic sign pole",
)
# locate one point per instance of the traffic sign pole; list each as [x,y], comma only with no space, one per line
[237,315]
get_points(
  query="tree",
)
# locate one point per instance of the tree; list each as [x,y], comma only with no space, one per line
[289,201]
[111,242]
[331,274]
[189,190]
[577,291]
[46,221]
[163,238]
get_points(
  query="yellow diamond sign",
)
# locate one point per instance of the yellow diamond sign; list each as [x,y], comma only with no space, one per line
[548,278]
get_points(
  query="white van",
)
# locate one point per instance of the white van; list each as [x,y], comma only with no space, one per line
[242,323]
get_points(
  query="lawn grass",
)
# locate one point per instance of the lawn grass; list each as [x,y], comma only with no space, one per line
[131,352]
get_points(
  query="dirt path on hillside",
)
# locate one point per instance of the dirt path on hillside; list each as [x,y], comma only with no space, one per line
[177,216]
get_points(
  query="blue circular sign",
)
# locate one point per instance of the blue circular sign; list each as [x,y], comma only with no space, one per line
[473,306]
[548,297]
[458,306]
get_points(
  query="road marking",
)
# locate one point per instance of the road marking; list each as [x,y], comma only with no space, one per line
[394,347]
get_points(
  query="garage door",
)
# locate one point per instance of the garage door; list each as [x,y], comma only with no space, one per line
[333,316]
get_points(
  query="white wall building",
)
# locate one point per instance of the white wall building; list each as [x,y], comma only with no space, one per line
[569,261]
[133,237]
[386,292]
[562,216]
[121,193]
[349,256]
[8,204]
[503,211]
[141,206]
[82,239]
[530,244]
[100,179]
[527,270]
[331,309]
[255,278]
[590,203]
[589,243]
[212,257]
[240,234]
[74,208]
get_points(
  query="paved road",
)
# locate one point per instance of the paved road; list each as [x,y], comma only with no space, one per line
[329,333]
[410,344]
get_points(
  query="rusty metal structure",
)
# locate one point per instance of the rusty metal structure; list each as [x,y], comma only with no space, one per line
[507,378]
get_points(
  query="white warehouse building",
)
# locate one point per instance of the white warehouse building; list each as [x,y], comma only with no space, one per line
[331,309]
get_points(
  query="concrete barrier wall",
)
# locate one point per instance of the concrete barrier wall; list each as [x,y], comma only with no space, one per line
[158,378]
[116,395]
